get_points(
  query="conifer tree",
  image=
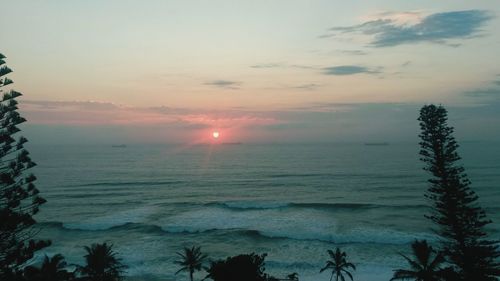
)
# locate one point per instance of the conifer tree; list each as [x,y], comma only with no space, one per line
[19,199]
[460,220]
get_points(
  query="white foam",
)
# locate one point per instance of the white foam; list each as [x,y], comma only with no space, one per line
[113,219]
[271,221]
[276,223]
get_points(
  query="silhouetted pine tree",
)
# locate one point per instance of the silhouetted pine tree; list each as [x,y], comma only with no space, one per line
[19,199]
[461,221]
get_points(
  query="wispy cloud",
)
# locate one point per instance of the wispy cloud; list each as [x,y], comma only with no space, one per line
[343,70]
[282,65]
[84,105]
[484,92]
[392,29]
[309,122]
[227,84]
[308,87]
[267,65]
[354,52]
[406,63]
[490,91]
[327,107]
[104,113]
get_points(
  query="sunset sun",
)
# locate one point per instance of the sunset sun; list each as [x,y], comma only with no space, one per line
[215,134]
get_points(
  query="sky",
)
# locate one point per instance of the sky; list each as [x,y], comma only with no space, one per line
[121,71]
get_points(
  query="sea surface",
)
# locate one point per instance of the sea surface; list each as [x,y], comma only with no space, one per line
[291,201]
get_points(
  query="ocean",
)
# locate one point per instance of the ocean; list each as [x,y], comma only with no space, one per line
[291,201]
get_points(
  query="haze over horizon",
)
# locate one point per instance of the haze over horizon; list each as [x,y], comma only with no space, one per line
[257,71]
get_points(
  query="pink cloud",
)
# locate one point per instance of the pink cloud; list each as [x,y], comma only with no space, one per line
[104,113]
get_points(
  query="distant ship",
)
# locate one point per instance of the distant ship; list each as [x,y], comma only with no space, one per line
[232,143]
[376,143]
[119,145]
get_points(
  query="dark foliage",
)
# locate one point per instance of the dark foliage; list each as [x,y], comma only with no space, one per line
[19,199]
[461,221]
[101,264]
[242,268]
[52,269]
[424,266]
[339,265]
[293,277]
[191,260]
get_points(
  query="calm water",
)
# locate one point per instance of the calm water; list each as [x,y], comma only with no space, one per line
[291,201]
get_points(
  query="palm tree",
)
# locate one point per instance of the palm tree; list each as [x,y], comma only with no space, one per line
[424,267]
[54,268]
[339,265]
[102,263]
[191,260]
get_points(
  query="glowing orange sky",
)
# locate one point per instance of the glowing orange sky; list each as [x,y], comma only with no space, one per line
[248,66]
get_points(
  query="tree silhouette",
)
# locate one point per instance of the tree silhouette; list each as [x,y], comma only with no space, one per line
[293,277]
[242,268]
[19,199]
[338,265]
[424,267]
[191,260]
[52,269]
[461,221]
[102,264]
